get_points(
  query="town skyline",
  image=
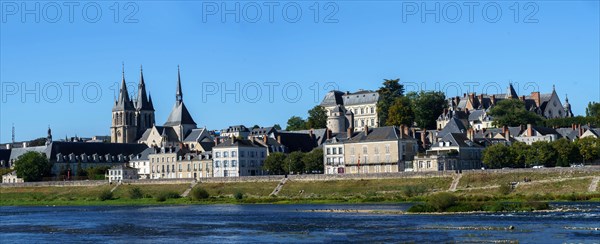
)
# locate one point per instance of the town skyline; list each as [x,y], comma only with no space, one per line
[560,49]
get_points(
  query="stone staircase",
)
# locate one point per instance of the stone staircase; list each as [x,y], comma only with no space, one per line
[455,181]
[189,189]
[279,186]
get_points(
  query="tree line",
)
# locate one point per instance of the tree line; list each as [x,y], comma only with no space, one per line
[561,152]
[297,162]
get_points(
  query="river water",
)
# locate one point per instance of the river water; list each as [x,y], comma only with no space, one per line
[291,223]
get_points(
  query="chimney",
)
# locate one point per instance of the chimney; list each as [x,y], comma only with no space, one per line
[412,132]
[529,130]
[406,128]
[349,132]
[265,138]
[470,133]
[217,141]
[328,132]
[480,97]
[507,134]
[311,133]
[580,130]
[536,98]
[279,139]
[366,130]
[472,96]
[504,129]
[573,126]
[522,98]
[493,99]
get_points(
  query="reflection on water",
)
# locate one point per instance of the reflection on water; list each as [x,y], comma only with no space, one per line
[290,223]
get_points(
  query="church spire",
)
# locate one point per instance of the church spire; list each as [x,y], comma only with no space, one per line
[179,93]
[142,98]
[124,101]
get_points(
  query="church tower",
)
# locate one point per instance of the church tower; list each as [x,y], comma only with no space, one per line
[123,129]
[144,108]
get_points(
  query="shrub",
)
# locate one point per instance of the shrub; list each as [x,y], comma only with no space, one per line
[413,190]
[505,189]
[163,196]
[199,193]
[135,193]
[238,195]
[421,208]
[441,201]
[105,195]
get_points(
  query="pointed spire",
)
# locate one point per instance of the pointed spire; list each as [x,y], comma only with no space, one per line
[142,102]
[124,101]
[511,93]
[179,93]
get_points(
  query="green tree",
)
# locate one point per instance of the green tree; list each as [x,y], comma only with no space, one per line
[32,166]
[317,118]
[567,152]
[519,152]
[38,142]
[255,127]
[277,126]
[296,123]
[80,171]
[293,162]
[512,112]
[497,156]
[313,161]
[589,148]
[428,106]
[401,113]
[388,92]
[593,112]
[542,153]
[274,163]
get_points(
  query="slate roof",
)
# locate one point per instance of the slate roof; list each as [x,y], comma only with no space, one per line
[16,152]
[545,130]
[332,98]
[179,116]
[5,155]
[143,156]
[236,128]
[361,97]
[262,131]
[379,134]
[568,133]
[458,139]
[195,136]
[237,143]
[78,148]
[298,141]
[453,126]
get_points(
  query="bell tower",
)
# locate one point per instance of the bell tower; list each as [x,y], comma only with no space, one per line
[124,128]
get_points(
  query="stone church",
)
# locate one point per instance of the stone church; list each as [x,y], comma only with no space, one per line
[134,121]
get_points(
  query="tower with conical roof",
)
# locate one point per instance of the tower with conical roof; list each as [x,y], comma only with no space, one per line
[179,118]
[124,128]
[568,111]
[144,107]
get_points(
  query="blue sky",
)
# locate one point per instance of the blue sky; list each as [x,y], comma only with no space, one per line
[291,61]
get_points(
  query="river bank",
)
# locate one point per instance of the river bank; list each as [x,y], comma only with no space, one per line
[478,187]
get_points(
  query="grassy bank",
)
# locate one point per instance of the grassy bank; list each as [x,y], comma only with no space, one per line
[480,190]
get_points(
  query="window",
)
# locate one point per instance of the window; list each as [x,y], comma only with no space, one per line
[387,148]
[217,164]
[362,122]
[233,154]
[362,110]
[242,154]
[373,122]
[364,149]
[334,150]
[225,154]
[218,155]
[242,163]
[225,163]
[262,154]
[233,163]
[328,151]
[376,150]
[340,150]
[163,168]
[196,166]
[372,110]
[180,168]
[188,167]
